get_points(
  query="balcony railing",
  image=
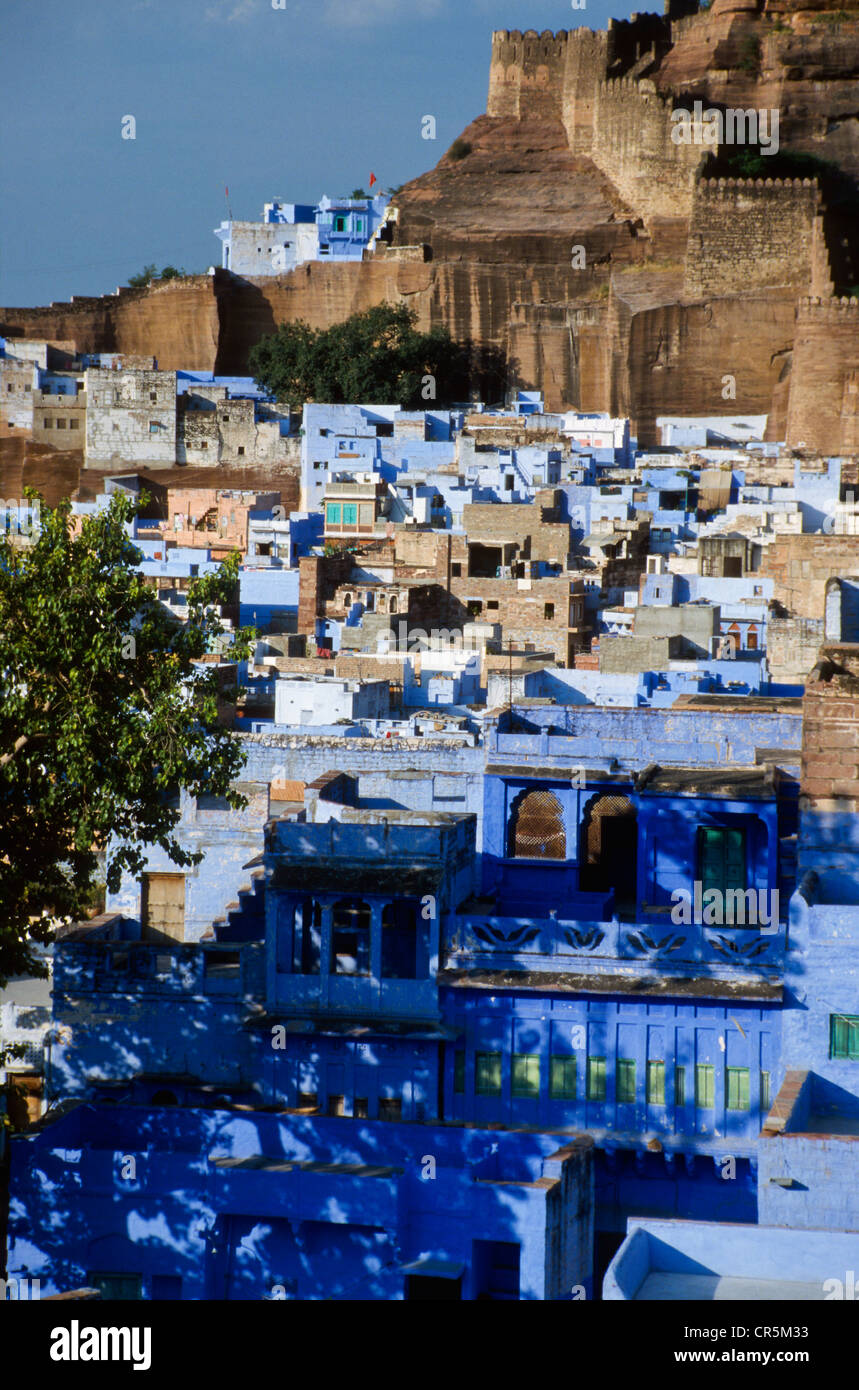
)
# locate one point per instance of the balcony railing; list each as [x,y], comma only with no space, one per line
[599,947]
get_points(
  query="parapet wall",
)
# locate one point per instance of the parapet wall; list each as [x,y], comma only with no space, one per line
[633,147]
[749,234]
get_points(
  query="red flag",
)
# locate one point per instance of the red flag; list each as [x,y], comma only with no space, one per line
[372,180]
[227,192]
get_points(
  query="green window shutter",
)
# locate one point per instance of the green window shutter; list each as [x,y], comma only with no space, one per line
[735,859]
[625,1081]
[459,1073]
[562,1078]
[596,1078]
[350,513]
[721,858]
[705,1086]
[679,1085]
[488,1073]
[526,1074]
[656,1083]
[765,1091]
[332,513]
[737,1088]
[844,1037]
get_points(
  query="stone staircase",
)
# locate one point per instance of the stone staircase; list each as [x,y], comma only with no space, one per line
[244,920]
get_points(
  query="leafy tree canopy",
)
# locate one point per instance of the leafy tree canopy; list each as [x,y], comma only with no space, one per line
[376,356]
[106,712]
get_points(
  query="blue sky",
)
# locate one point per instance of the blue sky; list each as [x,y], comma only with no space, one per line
[292,103]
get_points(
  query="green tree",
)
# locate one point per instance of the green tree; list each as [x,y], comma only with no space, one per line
[375,356]
[146,275]
[106,712]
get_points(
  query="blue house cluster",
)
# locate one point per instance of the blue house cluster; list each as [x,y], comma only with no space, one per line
[453,1053]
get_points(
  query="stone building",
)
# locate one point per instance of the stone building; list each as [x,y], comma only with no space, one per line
[130,417]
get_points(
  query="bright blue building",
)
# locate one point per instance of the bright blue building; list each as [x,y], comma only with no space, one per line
[415,1062]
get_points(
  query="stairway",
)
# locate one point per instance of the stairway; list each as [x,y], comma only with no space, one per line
[244,920]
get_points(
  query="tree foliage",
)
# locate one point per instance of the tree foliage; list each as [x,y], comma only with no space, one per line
[106,712]
[376,356]
[150,272]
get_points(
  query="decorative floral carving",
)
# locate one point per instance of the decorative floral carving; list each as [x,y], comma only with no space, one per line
[587,939]
[494,936]
[644,943]
[734,950]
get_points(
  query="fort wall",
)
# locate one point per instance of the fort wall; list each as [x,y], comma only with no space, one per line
[823,404]
[751,234]
[633,147]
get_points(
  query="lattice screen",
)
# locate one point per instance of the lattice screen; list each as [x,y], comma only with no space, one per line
[538,828]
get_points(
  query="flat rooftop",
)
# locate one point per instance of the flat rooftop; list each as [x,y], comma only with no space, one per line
[720,1288]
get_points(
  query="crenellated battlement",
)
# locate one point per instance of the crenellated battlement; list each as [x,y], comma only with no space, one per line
[755,234]
[526,75]
[632,144]
[721,188]
[832,310]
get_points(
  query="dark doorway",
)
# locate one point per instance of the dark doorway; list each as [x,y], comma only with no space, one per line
[496,1270]
[610,848]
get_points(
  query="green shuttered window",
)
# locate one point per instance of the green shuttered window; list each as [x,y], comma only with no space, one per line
[525,1074]
[721,858]
[705,1086]
[679,1085]
[736,1088]
[844,1037]
[562,1078]
[655,1083]
[487,1072]
[596,1078]
[625,1081]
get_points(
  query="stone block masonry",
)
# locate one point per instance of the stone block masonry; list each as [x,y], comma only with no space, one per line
[632,145]
[830,731]
[823,410]
[800,567]
[526,73]
[751,234]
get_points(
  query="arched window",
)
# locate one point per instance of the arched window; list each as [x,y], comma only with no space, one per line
[400,940]
[392,608]
[610,841]
[307,940]
[347,600]
[537,827]
[752,638]
[350,938]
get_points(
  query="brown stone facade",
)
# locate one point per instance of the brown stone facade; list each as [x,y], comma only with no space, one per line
[830,729]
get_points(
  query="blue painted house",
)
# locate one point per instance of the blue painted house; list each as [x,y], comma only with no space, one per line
[411,1062]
